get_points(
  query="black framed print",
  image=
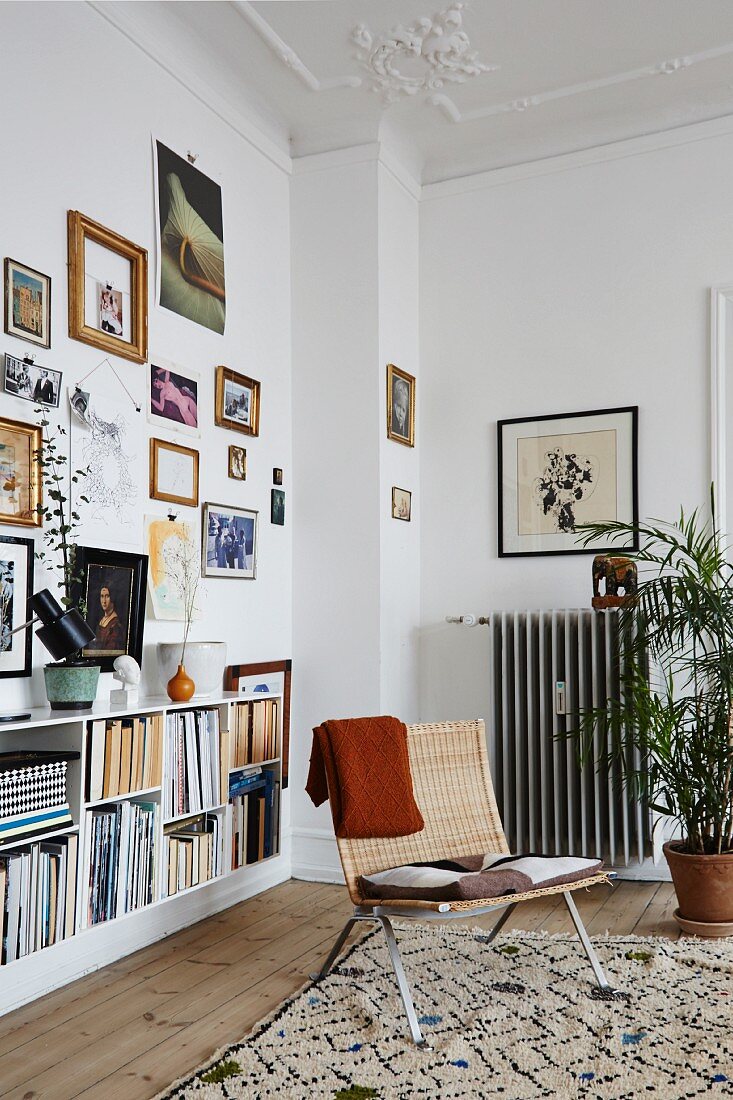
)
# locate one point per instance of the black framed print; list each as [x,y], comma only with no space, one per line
[558,472]
[112,593]
[16,587]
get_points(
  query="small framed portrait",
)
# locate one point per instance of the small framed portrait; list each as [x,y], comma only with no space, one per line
[277,475]
[237,402]
[277,507]
[25,379]
[400,406]
[174,473]
[108,289]
[237,462]
[20,475]
[229,541]
[557,472]
[27,304]
[401,504]
[173,398]
[111,591]
[16,588]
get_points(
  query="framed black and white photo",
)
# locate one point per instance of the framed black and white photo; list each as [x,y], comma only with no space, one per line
[27,304]
[237,402]
[26,379]
[228,541]
[112,592]
[173,397]
[558,472]
[400,406]
[16,586]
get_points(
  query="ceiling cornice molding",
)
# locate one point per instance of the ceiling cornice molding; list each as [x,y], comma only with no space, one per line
[250,129]
[371,152]
[566,162]
[287,54]
[664,68]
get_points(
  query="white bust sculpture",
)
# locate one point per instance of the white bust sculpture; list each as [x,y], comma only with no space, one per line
[127,673]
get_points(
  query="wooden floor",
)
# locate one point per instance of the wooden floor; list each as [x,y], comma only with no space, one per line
[127,1031]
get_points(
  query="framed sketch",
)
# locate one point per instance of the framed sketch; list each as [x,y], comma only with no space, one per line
[229,542]
[237,402]
[20,474]
[24,378]
[108,289]
[111,591]
[556,472]
[16,587]
[400,406]
[237,462]
[190,235]
[401,504]
[170,544]
[277,507]
[27,304]
[173,398]
[174,473]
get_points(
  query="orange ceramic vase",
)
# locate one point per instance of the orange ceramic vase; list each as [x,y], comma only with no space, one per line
[180,687]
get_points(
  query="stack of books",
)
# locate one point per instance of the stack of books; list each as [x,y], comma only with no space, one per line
[255,732]
[193,762]
[37,896]
[124,756]
[122,859]
[255,799]
[192,852]
[33,793]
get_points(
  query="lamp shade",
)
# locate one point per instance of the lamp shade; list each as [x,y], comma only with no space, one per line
[63,632]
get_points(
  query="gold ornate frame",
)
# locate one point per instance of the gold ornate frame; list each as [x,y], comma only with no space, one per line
[155,493]
[225,374]
[237,477]
[394,372]
[80,229]
[32,515]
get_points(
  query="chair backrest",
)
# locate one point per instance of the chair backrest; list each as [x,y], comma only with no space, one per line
[453,788]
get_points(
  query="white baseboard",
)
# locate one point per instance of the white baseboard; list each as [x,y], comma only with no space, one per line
[648,871]
[315,856]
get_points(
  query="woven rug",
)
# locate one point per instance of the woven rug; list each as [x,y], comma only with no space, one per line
[517,1019]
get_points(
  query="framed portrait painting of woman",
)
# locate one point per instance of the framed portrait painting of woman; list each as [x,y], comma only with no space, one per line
[111,592]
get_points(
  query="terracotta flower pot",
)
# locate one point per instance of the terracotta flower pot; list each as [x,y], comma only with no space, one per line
[704,886]
[180,687]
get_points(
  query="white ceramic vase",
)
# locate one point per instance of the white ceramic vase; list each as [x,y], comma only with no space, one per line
[205,663]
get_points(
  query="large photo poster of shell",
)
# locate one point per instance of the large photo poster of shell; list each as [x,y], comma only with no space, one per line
[190,234]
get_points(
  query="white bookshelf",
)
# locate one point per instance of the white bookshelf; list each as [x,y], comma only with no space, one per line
[96,945]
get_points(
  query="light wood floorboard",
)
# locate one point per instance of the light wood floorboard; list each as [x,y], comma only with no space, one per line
[127,1031]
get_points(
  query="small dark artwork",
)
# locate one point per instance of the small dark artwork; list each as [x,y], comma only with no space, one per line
[113,596]
[620,575]
[277,507]
[277,475]
[565,480]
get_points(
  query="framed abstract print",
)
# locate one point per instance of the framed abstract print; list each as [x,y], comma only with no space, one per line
[174,473]
[20,474]
[16,586]
[237,402]
[558,472]
[228,542]
[112,592]
[27,304]
[400,406]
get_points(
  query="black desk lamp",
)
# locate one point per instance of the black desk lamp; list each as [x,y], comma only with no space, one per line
[62,632]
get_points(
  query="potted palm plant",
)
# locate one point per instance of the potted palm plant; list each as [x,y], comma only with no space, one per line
[671,729]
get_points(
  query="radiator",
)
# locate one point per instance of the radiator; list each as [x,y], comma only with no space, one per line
[545,666]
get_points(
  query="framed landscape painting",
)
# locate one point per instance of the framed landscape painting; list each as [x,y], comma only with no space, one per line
[557,472]
[20,476]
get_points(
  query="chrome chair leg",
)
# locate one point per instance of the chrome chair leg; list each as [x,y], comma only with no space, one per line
[342,938]
[601,979]
[501,922]
[402,983]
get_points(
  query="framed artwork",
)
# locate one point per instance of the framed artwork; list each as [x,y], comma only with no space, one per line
[27,304]
[400,406]
[229,542]
[190,235]
[108,289]
[174,473]
[20,475]
[401,503]
[237,402]
[16,587]
[277,475]
[237,462]
[169,543]
[24,378]
[277,507]
[173,398]
[112,593]
[557,472]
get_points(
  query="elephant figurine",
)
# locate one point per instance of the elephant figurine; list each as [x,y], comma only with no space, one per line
[620,574]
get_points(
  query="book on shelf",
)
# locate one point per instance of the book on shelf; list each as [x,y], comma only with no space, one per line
[255,731]
[193,762]
[122,859]
[124,755]
[192,852]
[34,821]
[38,895]
[255,817]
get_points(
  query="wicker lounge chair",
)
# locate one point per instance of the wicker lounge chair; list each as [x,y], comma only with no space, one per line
[452,784]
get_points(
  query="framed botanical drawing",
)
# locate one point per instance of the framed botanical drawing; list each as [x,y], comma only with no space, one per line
[20,475]
[557,472]
[112,592]
[27,304]
[237,402]
[174,473]
[229,541]
[173,398]
[400,406]
[16,587]
[108,289]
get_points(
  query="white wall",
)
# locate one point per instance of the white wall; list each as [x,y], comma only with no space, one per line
[580,288]
[76,135]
